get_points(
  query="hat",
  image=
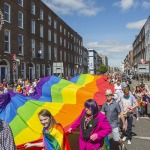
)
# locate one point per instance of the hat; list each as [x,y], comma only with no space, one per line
[123,85]
[1,85]
[108,92]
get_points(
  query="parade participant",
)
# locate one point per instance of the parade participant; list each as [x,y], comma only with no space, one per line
[3,89]
[112,110]
[128,104]
[6,137]
[94,127]
[52,132]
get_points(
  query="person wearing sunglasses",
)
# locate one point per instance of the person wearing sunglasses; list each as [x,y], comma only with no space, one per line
[112,110]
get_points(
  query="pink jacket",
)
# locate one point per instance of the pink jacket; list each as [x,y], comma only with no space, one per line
[102,128]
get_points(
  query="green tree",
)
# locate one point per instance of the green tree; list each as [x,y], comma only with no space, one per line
[102,69]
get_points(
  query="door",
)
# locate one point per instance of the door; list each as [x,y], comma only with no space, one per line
[30,73]
[3,73]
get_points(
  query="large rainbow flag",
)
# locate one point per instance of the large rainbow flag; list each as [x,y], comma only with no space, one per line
[64,99]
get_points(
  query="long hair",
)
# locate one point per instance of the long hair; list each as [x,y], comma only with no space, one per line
[93,105]
[46,113]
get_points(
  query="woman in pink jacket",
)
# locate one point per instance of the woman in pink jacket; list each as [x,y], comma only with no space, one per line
[94,127]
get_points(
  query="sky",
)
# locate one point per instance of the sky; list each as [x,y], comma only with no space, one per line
[107,26]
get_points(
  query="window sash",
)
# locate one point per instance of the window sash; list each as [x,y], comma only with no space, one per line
[20,44]
[7,12]
[20,19]
[7,41]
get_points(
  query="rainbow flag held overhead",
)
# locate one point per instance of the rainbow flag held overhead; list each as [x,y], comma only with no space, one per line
[64,99]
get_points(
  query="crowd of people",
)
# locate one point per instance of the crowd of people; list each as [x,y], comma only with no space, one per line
[113,118]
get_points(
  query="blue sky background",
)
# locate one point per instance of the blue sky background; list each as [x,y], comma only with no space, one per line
[107,26]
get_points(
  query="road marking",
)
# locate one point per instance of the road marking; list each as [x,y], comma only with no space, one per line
[142,137]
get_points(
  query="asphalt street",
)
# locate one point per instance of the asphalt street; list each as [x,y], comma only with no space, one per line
[140,132]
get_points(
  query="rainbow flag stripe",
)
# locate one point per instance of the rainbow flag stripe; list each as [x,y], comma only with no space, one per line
[64,99]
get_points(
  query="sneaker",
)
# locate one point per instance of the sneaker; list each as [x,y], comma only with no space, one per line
[137,119]
[129,142]
[124,138]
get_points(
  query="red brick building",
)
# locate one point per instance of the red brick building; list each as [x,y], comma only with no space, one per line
[33,38]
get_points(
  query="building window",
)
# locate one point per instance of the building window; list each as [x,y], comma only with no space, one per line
[65,56]
[20,19]
[61,28]
[33,26]
[55,24]
[20,44]
[7,12]
[49,20]
[49,35]
[41,30]
[43,70]
[64,31]
[55,37]
[20,2]
[61,41]
[33,8]
[7,41]
[42,50]
[49,70]
[33,48]
[60,55]
[55,54]
[64,42]
[38,70]
[49,52]
[41,14]
[23,70]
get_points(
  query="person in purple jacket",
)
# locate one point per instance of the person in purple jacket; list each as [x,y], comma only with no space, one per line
[94,127]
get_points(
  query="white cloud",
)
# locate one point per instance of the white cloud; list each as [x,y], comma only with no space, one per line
[146,4]
[114,50]
[81,7]
[136,25]
[126,4]
[109,46]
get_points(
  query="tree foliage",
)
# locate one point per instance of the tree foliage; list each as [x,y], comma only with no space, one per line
[102,69]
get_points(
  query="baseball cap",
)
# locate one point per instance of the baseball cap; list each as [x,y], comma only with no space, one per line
[108,92]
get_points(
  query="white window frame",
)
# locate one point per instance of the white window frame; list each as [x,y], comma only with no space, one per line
[49,35]
[21,4]
[49,20]
[22,45]
[33,48]
[49,52]
[42,49]
[33,26]
[55,24]
[7,13]
[8,31]
[41,14]
[61,28]
[32,8]
[41,30]
[55,37]
[55,53]
[20,20]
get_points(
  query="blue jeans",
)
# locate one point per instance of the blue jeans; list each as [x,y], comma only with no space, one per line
[128,132]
